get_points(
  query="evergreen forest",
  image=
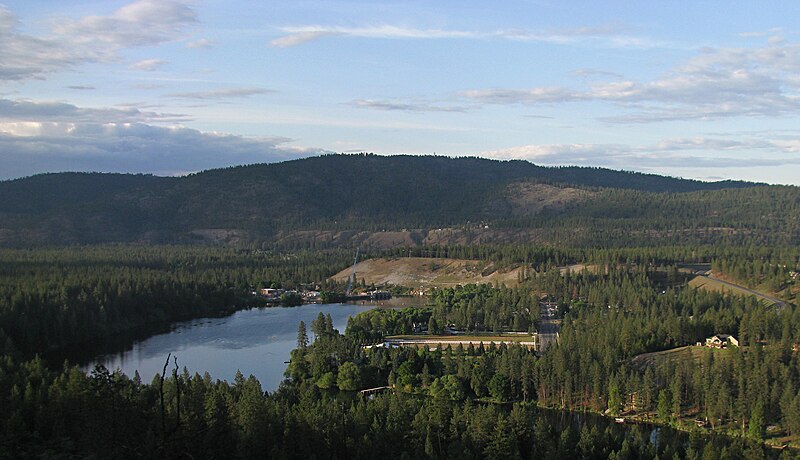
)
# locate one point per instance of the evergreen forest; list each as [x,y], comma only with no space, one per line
[618,317]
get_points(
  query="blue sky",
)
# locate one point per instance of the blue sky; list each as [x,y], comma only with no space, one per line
[704,90]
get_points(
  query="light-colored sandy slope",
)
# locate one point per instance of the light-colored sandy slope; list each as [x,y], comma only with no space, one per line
[527,198]
[427,272]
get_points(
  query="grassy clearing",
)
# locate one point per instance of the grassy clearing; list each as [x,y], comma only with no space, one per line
[428,272]
[577,268]
[711,284]
[656,358]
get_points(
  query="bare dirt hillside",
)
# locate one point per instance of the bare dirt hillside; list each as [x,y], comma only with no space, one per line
[528,198]
[416,272]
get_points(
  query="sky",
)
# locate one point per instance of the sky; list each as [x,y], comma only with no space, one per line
[705,90]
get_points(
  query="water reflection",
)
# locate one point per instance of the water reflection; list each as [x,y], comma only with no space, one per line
[254,341]
[647,439]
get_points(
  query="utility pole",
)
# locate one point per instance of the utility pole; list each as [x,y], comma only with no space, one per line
[352,275]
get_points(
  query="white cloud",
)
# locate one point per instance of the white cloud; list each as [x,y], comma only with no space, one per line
[405,106]
[717,83]
[30,111]
[148,86]
[603,35]
[298,38]
[542,95]
[72,42]
[224,93]
[606,35]
[133,147]
[300,35]
[24,56]
[696,152]
[141,23]
[590,73]
[41,136]
[202,43]
[147,65]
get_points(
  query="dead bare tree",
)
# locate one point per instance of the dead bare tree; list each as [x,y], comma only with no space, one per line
[161,395]
[177,393]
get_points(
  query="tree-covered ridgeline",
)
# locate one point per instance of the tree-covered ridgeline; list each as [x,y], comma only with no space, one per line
[54,297]
[320,203]
[543,257]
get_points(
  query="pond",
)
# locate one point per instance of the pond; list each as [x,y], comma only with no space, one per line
[256,341]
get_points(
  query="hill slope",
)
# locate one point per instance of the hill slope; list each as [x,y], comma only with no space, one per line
[423,272]
[393,201]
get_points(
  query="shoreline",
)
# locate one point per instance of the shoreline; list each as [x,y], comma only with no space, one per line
[689,428]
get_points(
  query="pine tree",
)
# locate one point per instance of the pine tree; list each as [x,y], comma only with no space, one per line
[302,336]
[756,426]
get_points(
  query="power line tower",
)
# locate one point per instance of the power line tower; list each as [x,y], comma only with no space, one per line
[352,277]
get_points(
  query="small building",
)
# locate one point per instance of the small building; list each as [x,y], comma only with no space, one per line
[380,295]
[721,341]
[270,292]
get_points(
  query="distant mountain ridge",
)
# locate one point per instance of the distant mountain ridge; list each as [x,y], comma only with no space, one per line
[339,196]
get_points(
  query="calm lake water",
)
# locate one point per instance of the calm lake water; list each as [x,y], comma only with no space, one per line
[256,342]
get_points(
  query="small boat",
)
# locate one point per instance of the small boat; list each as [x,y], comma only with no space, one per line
[619,420]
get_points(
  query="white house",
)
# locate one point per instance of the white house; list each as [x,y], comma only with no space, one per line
[721,341]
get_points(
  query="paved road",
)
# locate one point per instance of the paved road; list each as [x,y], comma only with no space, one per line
[778,302]
[548,333]
[549,326]
[454,343]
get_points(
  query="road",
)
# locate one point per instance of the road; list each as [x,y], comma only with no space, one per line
[779,303]
[549,325]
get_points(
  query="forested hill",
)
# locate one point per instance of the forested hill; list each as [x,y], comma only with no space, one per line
[393,201]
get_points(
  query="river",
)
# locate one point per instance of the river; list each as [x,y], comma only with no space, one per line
[255,341]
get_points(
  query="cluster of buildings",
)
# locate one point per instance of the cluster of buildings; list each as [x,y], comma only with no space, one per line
[721,341]
[548,309]
[275,294]
[313,295]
